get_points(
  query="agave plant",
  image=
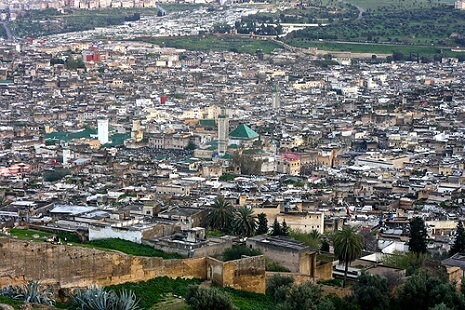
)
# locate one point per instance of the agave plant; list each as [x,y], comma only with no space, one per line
[30,292]
[10,291]
[127,301]
[98,298]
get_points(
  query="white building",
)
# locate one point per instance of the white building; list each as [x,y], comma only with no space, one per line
[460,4]
[102,131]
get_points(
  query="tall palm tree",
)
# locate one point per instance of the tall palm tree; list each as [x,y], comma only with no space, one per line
[348,245]
[244,222]
[221,214]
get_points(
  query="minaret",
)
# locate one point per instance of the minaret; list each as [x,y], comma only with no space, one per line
[275,98]
[102,125]
[223,132]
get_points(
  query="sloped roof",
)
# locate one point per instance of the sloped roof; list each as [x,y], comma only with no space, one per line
[243,132]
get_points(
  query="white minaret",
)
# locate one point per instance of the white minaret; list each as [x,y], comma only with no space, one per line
[275,98]
[102,131]
[66,156]
[223,132]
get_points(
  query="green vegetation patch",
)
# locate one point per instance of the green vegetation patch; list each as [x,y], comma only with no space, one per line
[250,301]
[8,301]
[29,234]
[236,252]
[157,290]
[438,26]
[217,43]
[396,4]
[36,235]
[372,48]
[36,23]
[131,248]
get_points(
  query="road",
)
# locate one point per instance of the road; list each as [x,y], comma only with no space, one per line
[360,12]
[8,31]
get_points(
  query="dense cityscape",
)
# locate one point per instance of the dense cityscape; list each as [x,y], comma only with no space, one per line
[294,173]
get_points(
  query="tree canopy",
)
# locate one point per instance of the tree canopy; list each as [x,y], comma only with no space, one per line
[221,214]
[459,242]
[244,222]
[370,292]
[417,243]
[348,245]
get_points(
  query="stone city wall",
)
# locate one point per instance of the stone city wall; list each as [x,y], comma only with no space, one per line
[68,266]
[71,266]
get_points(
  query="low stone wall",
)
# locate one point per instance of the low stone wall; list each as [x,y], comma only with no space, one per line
[247,274]
[324,272]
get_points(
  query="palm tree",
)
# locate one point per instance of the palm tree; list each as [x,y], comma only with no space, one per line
[348,246]
[244,222]
[221,214]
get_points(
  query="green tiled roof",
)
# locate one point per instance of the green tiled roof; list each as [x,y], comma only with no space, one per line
[208,123]
[243,132]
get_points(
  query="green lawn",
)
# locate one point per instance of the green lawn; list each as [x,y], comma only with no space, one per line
[131,248]
[216,43]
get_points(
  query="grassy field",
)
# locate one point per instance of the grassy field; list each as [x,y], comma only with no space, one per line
[216,43]
[124,246]
[373,48]
[158,290]
[36,235]
[250,301]
[159,293]
[131,248]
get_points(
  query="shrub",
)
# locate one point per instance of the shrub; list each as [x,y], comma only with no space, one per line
[306,296]
[274,266]
[236,252]
[200,298]
[278,287]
